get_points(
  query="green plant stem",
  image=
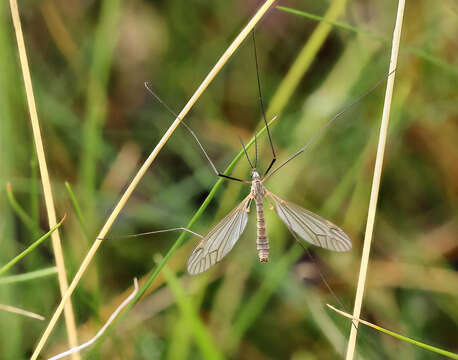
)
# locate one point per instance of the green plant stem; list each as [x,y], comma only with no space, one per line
[385,39]
[20,212]
[104,43]
[201,334]
[397,336]
[93,299]
[334,23]
[28,276]
[255,305]
[76,206]
[34,198]
[7,266]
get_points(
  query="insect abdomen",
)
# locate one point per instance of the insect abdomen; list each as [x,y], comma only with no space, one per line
[262,243]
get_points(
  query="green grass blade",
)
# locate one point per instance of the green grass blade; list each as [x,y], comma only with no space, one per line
[180,340]
[20,212]
[255,305]
[34,196]
[7,266]
[334,23]
[103,47]
[398,336]
[417,343]
[385,39]
[28,276]
[77,208]
[181,334]
[201,334]
[93,297]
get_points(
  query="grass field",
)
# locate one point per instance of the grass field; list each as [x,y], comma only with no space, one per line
[88,64]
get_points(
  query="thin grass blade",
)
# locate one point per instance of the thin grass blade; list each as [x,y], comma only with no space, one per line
[77,208]
[20,212]
[397,336]
[201,334]
[38,274]
[385,39]
[7,266]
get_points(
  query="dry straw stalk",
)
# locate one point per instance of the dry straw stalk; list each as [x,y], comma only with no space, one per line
[208,79]
[19,311]
[376,180]
[56,243]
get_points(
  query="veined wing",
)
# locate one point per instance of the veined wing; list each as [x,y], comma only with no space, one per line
[311,227]
[220,240]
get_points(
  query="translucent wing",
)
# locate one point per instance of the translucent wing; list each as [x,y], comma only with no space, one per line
[311,227]
[220,240]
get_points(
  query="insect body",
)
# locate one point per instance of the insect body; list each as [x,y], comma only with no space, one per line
[307,225]
[258,191]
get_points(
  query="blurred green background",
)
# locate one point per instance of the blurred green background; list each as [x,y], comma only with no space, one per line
[88,63]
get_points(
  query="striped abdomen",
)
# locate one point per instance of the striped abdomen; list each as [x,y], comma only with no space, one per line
[262,243]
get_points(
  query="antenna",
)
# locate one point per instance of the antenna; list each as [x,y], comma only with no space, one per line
[261,103]
[246,154]
[193,135]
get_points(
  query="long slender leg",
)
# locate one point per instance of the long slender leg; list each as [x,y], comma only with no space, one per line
[273,159]
[328,124]
[261,103]
[215,170]
[152,232]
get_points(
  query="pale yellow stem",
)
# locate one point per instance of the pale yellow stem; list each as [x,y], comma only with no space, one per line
[56,243]
[376,180]
[208,79]
[19,311]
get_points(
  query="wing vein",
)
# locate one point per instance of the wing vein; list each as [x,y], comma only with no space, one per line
[219,240]
[311,227]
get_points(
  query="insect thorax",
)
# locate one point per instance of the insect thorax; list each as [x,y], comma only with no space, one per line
[257,189]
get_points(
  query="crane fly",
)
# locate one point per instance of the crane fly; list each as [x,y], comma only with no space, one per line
[222,238]
[303,224]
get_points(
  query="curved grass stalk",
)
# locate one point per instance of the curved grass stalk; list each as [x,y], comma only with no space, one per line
[385,39]
[22,312]
[396,335]
[200,332]
[78,212]
[38,274]
[103,328]
[10,264]
[20,212]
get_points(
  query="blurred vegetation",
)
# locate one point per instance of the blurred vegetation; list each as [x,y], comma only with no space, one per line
[89,61]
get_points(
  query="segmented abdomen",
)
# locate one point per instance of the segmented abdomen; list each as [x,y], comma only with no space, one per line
[262,243]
